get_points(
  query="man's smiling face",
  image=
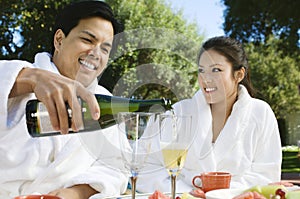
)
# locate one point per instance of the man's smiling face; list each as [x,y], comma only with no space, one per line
[83,54]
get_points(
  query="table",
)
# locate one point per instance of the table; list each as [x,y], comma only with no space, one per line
[291,177]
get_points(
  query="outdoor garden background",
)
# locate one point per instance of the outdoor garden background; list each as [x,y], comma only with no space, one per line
[270,31]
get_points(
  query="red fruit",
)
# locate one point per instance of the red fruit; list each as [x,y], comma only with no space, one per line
[258,196]
[247,195]
[280,193]
[158,195]
[199,193]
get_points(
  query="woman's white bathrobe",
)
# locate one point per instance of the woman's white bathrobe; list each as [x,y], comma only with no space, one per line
[248,147]
[44,164]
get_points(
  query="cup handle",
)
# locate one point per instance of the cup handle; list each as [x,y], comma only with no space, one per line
[193,181]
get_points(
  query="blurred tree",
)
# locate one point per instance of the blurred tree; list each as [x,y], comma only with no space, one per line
[25,27]
[256,20]
[276,76]
[272,29]
[156,57]
[157,54]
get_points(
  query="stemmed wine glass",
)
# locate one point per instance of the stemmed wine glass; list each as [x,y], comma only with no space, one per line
[136,137]
[175,139]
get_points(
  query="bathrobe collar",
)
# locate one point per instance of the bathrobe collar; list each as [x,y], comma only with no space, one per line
[235,125]
[43,60]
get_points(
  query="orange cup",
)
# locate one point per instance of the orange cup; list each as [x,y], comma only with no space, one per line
[213,180]
[37,197]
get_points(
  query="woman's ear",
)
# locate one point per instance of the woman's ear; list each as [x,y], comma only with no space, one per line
[58,37]
[240,74]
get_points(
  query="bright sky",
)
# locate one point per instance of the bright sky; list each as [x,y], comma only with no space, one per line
[208,14]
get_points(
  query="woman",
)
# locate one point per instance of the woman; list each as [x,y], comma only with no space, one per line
[234,132]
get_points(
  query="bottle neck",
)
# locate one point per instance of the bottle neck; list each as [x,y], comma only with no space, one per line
[120,104]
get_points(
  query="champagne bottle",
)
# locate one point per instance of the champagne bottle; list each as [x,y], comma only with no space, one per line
[38,121]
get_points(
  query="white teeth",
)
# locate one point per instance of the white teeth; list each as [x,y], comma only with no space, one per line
[88,65]
[210,89]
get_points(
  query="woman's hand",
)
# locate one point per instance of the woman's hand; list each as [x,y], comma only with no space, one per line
[82,191]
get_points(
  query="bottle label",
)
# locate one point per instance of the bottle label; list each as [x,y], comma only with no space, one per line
[44,122]
[43,119]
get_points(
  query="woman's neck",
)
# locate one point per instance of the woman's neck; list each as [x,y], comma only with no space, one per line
[220,113]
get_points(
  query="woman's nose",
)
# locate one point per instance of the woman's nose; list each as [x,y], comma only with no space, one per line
[207,78]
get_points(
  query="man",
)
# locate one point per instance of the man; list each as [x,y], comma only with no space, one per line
[61,165]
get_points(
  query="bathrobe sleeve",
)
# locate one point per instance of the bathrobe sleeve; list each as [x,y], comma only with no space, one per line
[249,145]
[10,114]
[264,151]
[107,174]
[48,163]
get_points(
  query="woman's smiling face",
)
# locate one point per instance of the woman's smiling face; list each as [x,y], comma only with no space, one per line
[215,77]
[82,55]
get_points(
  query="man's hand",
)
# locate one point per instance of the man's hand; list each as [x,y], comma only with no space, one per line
[55,91]
[82,191]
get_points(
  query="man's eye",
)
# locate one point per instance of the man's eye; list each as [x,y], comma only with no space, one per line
[86,40]
[105,50]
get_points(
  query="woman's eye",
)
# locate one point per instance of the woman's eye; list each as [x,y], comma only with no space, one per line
[200,70]
[216,70]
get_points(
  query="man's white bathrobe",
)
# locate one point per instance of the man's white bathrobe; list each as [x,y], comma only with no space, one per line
[248,146]
[44,164]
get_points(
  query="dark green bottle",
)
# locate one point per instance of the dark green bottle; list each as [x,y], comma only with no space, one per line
[38,121]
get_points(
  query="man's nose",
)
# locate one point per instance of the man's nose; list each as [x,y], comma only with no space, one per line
[95,52]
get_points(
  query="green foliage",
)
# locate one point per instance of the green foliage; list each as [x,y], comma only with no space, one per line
[276,76]
[256,20]
[290,161]
[25,27]
[157,53]
[271,28]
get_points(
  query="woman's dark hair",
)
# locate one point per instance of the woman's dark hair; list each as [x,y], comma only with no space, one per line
[70,16]
[235,54]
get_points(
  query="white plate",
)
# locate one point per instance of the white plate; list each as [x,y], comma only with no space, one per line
[223,193]
[230,193]
[137,196]
[293,188]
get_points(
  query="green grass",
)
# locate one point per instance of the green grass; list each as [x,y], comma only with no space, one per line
[290,160]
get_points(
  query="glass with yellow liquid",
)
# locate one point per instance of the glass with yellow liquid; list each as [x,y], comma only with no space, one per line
[175,139]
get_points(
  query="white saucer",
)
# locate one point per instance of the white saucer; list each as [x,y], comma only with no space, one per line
[223,193]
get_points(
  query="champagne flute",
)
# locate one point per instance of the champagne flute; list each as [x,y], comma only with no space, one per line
[137,134]
[175,139]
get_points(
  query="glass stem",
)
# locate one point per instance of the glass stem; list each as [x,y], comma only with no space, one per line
[173,184]
[133,186]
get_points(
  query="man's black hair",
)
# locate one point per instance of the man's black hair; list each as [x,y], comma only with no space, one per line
[70,16]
